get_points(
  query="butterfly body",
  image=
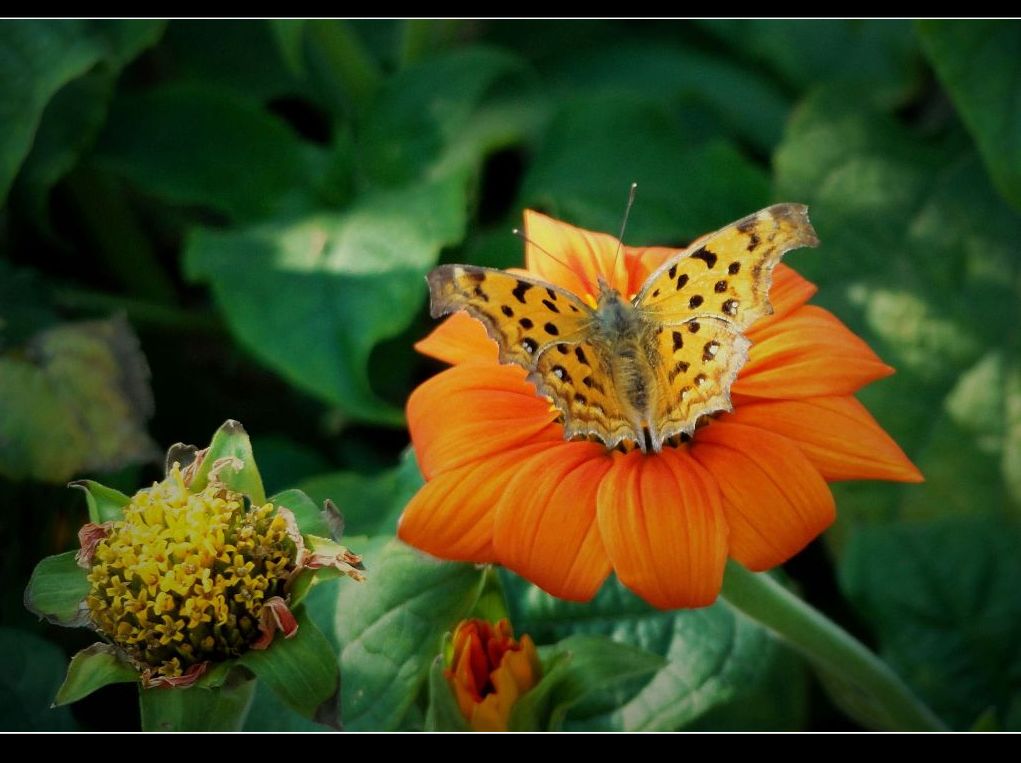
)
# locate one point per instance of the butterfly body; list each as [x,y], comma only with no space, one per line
[643,369]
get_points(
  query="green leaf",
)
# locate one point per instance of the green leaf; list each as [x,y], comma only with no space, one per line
[979,63]
[370,504]
[391,628]
[443,713]
[93,668]
[269,713]
[57,589]
[30,672]
[918,257]
[37,59]
[942,598]
[746,101]
[223,708]
[301,670]
[577,667]
[189,143]
[596,147]
[76,399]
[446,114]
[229,446]
[714,656]
[105,503]
[879,55]
[311,298]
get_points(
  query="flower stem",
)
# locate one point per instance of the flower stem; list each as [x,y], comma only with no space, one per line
[864,685]
[223,708]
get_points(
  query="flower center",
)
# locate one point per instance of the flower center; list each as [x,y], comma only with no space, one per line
[182,578]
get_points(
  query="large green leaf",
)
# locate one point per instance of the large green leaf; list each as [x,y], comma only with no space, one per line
[878,55]
[979,63]
[312,297]
[37,59]
[190,144]
[918,256]
[391,628]
[596,147]
[370,504]
[30,672]
[75,399]
[57,589]
[714,656]
[447,113]
[705,85]
[942,597]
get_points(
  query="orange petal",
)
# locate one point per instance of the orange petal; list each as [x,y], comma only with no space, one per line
[662,522]
[809,353]
[838,435]
[642,261]
[472,411]
[774,500]
[572,257]
[788,292]
[546,522]
[459,339]
[451,517]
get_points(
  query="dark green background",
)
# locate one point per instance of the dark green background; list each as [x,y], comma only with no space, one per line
[248,210]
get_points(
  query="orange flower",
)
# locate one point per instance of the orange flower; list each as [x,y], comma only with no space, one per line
[488,670]
[505,487]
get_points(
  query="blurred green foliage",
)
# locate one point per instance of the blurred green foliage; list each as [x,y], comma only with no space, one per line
[247,209]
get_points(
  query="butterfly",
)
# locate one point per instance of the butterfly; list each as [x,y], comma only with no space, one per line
[641,370]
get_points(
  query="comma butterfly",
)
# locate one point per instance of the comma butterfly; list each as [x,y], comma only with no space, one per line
[640,370]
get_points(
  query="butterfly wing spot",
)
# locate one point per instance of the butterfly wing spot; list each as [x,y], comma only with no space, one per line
[734,268]
[507,310]
[550,306]
[682,281]
[706,256]
[678,339]
[520,290]
[525,323]
[563,349]
[730,306]
[720,286]
[695,301]
[551,329]
[709,350]
[693,326]
[529,345]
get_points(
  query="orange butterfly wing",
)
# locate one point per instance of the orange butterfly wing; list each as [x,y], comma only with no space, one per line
[727,274]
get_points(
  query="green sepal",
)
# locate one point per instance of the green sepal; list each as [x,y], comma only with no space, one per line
[230,454]
[301,670]
[443,713]
[93,668]
[195,708]
[310,518]
[105,503]
[572,669]
[57,590]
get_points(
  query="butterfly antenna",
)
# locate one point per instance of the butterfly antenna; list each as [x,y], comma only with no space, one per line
[623,225]
[520,234]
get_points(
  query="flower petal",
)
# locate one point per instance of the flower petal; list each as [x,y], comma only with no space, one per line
[788,292]
[452,515]
[837,434]
[809,353]
[545,526]
[662,522]
[470,412]
[459,339]
[774,500]
[571,257]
